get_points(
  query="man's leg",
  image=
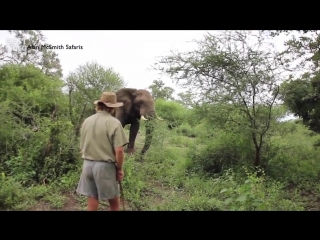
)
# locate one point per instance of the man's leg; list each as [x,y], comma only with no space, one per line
[87,186]
[107,185]
[93,204]
[114,204]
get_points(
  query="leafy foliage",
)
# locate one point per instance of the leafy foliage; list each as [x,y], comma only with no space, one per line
[301,94]
[159,90]
[171,111]
[37,127]
[226,69]
[85,85]
[20,52]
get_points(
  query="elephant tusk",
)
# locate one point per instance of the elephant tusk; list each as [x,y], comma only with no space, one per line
[143,118]
[159,118]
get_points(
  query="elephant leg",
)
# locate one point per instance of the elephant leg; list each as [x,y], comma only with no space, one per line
[134,128]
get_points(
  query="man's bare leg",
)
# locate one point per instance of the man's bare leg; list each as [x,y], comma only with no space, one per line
[93,204]
[114,204]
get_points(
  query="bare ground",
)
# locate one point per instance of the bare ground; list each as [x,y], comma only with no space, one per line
[71,203]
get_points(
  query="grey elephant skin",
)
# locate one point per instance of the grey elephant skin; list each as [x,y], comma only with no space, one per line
[138,104]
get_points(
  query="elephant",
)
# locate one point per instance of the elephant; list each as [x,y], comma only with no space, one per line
[138,104]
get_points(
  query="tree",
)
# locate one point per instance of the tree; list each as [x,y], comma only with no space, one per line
[302,50]
[85,85]
[186,99]
[17,52]
[301,97]
[158,90]
[301,94]
[237,69]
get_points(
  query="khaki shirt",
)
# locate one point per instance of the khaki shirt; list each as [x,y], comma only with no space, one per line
[100,134]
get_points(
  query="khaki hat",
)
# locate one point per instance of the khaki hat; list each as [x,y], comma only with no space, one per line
[109,99]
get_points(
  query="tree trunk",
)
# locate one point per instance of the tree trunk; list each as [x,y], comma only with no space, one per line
[257,160]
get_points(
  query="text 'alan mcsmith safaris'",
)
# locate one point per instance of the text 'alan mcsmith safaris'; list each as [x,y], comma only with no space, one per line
[49,46]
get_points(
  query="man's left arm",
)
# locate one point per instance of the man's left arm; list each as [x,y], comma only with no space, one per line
[119,141]
[81,137]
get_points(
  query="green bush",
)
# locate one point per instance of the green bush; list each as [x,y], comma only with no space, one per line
[296,158]
[304,166]
[133,185]
[229,192]
[186,130]
[223,151]
[13,196]
[37,141]
[171,111]
[45,156]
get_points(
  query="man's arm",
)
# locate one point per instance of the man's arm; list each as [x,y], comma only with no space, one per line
[119,157]
[119,141]
[81,136]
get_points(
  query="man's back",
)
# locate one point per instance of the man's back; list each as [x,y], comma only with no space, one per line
[97,137]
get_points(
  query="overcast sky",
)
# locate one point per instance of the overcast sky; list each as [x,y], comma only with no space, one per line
[130,53]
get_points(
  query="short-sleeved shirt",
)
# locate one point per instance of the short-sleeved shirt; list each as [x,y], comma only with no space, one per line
[100,134]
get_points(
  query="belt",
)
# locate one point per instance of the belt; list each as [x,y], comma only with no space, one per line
[108,161]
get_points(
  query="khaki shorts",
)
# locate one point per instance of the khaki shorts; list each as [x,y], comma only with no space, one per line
[98,179]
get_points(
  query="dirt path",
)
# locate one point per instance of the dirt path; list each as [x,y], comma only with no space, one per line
[71,203]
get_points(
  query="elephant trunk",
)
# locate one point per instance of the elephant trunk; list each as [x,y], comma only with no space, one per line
[149,133]
[149,119]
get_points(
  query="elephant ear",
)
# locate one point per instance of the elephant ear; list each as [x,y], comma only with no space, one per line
[126,95]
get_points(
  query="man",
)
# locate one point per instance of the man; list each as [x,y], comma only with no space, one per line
[102,139]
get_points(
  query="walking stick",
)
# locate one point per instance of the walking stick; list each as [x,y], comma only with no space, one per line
[122,195]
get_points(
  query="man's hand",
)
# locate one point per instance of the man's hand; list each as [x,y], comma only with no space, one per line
[120,175]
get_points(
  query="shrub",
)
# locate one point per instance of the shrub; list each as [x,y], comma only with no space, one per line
[223,151]
[171,111]
[186,130]
[229,192]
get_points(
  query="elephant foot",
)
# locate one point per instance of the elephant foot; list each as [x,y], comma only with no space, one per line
[130,151]
[141,157]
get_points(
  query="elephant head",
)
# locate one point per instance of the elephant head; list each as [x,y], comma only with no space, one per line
[138,104]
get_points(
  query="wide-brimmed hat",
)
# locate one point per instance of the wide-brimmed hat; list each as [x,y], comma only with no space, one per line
[109,99]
